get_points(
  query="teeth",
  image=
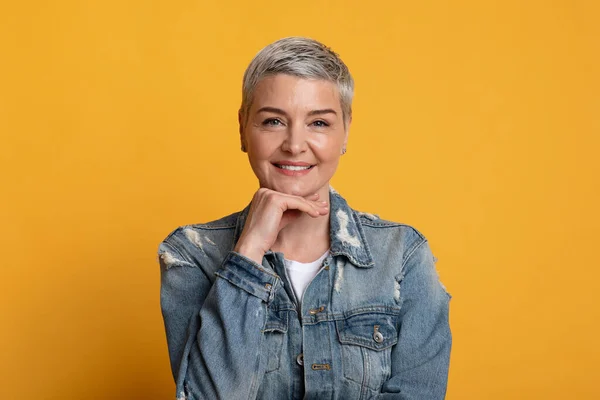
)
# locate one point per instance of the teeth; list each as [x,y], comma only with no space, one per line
[293,167]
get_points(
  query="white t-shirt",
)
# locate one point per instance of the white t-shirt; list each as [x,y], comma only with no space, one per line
[301,274]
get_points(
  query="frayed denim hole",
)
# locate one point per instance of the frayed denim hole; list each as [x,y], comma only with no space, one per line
[273,348]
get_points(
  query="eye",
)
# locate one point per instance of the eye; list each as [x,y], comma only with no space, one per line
[320,123]
[272,122]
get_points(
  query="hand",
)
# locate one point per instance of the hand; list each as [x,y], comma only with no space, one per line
[270,212]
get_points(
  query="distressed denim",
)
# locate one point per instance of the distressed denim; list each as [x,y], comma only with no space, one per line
[373,323]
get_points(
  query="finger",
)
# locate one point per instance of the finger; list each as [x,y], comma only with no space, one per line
[298,203]
[311,197]
[320,206]
[324,208]
[305,204]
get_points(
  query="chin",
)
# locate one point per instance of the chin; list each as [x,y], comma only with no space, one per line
[296,189]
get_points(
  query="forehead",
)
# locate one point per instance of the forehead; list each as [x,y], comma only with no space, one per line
[295,92]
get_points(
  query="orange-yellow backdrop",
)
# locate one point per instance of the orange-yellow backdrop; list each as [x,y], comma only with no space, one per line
[475,121]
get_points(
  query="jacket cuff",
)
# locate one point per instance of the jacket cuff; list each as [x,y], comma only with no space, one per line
[249,276]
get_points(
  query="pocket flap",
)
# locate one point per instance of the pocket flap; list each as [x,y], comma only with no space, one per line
[277,321]
[371,330]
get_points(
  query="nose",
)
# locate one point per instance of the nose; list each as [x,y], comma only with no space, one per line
[295,139]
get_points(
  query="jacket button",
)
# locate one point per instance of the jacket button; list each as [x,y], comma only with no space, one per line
[300,359]
[315,311]
[378,337]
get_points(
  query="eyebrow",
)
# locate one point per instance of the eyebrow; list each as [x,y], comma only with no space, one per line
[324,111]
[311,113]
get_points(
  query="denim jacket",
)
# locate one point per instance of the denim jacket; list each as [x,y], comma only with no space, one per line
[373,323]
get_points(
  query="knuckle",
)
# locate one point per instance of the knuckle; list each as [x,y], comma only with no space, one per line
[271,197]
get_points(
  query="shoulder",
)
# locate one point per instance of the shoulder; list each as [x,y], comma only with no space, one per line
[375,223]
[223,223]
[226,223]
[383,234]
[200,243]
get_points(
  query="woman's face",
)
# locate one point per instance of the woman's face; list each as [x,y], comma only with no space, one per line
[294,134]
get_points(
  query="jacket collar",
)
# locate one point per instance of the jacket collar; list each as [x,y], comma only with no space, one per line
[346,232]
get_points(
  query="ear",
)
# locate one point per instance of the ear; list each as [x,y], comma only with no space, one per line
[241,129]
[347,131]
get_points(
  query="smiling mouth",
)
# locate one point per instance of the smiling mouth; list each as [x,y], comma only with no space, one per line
[293,167]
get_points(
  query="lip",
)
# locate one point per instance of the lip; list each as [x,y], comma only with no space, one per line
[288,172]
[293,163]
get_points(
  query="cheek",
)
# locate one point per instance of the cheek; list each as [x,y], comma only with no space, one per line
[327,149]
[262,146]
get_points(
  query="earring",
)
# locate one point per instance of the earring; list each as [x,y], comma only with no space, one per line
[343,151]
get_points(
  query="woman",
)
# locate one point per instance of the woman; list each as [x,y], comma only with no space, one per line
[298,295]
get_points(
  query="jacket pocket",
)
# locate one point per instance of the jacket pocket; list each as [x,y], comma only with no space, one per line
[367,341]
[275,333]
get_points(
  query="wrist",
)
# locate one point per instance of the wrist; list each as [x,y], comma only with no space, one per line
[250,252]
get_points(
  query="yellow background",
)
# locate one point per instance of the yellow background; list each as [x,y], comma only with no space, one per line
[475,121]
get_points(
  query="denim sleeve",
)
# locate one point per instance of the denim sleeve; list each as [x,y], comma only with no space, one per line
[421,358]
[214,326]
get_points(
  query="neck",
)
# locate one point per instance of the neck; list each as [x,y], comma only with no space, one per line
[306,238]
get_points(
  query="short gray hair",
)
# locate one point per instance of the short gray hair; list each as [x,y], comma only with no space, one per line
[302,57]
